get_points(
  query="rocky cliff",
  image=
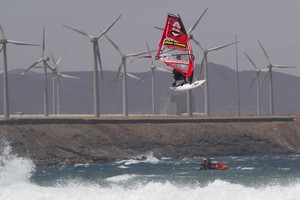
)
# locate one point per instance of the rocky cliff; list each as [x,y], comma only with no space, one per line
[63,143]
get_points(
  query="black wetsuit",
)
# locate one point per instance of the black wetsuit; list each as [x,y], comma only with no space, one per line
[207,164]
[178,77]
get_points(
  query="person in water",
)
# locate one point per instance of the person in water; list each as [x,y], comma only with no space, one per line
[178,76]
[207,164]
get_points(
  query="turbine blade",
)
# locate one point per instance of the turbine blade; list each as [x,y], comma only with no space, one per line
[269,61]
[60,81]
[194,26]
[21,43]
[162,69]
[136,54]
[253,80]
[109,27]
[48,66]
[143,77]
[221,47]
[116,47]
[119,70]
[148,49]
[284,66]
[99,58]
[1,48]
[149,70]
[34,64]
[133,76]
[53,60]
[61,56]
[43,47]
[69,76]
[81,32]
[263,79]
[149,53]
[2,36]
[264,70]
[198,44]
[158,28]
[250,60]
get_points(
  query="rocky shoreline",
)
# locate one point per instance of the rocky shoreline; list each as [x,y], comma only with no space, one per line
[69,143]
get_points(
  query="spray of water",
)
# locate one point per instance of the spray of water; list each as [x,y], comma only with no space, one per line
[13,169]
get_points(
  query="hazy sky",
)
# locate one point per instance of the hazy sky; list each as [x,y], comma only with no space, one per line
[274,22]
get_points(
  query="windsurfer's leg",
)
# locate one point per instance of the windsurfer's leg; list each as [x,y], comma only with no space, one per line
[174,83]
[190,78]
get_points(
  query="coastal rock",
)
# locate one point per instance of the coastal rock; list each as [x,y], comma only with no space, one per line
[55,144]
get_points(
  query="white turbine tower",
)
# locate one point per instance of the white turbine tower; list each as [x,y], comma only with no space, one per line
[4,41]
[152,69]
[123,66]
[257,79]
[97,58]
[57,82]
[269,68]
[189,92]
[44,59]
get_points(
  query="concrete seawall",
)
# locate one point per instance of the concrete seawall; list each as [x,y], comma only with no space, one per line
[139,120]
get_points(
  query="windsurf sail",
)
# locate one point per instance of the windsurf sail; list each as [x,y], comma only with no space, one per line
[174,48]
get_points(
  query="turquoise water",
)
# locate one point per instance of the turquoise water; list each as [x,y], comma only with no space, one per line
[259,177]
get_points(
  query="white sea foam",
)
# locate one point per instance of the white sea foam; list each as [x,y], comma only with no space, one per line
[121,178]
[144,158]
[13,169]
[153,190]
[245,168]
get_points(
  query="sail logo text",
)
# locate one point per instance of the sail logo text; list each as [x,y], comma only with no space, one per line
[168,42]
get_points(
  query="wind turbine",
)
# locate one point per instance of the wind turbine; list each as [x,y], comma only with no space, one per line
[57,82]
[44,59]
[4,41]
[256,77]
[97,59]
[204,61]
[123,66]
[269,69]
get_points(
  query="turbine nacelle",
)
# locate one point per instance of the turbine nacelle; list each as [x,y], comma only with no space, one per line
[93,39]
[45,59]
[152,67]
[3,41]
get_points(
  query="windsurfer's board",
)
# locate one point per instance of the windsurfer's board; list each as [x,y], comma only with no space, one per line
[188,86]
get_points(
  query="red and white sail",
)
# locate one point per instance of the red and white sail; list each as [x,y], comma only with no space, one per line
[174,48]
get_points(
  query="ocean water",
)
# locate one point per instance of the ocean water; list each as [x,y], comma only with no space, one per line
[255,177]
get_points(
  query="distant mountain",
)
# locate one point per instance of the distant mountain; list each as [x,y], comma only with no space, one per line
[26,93]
